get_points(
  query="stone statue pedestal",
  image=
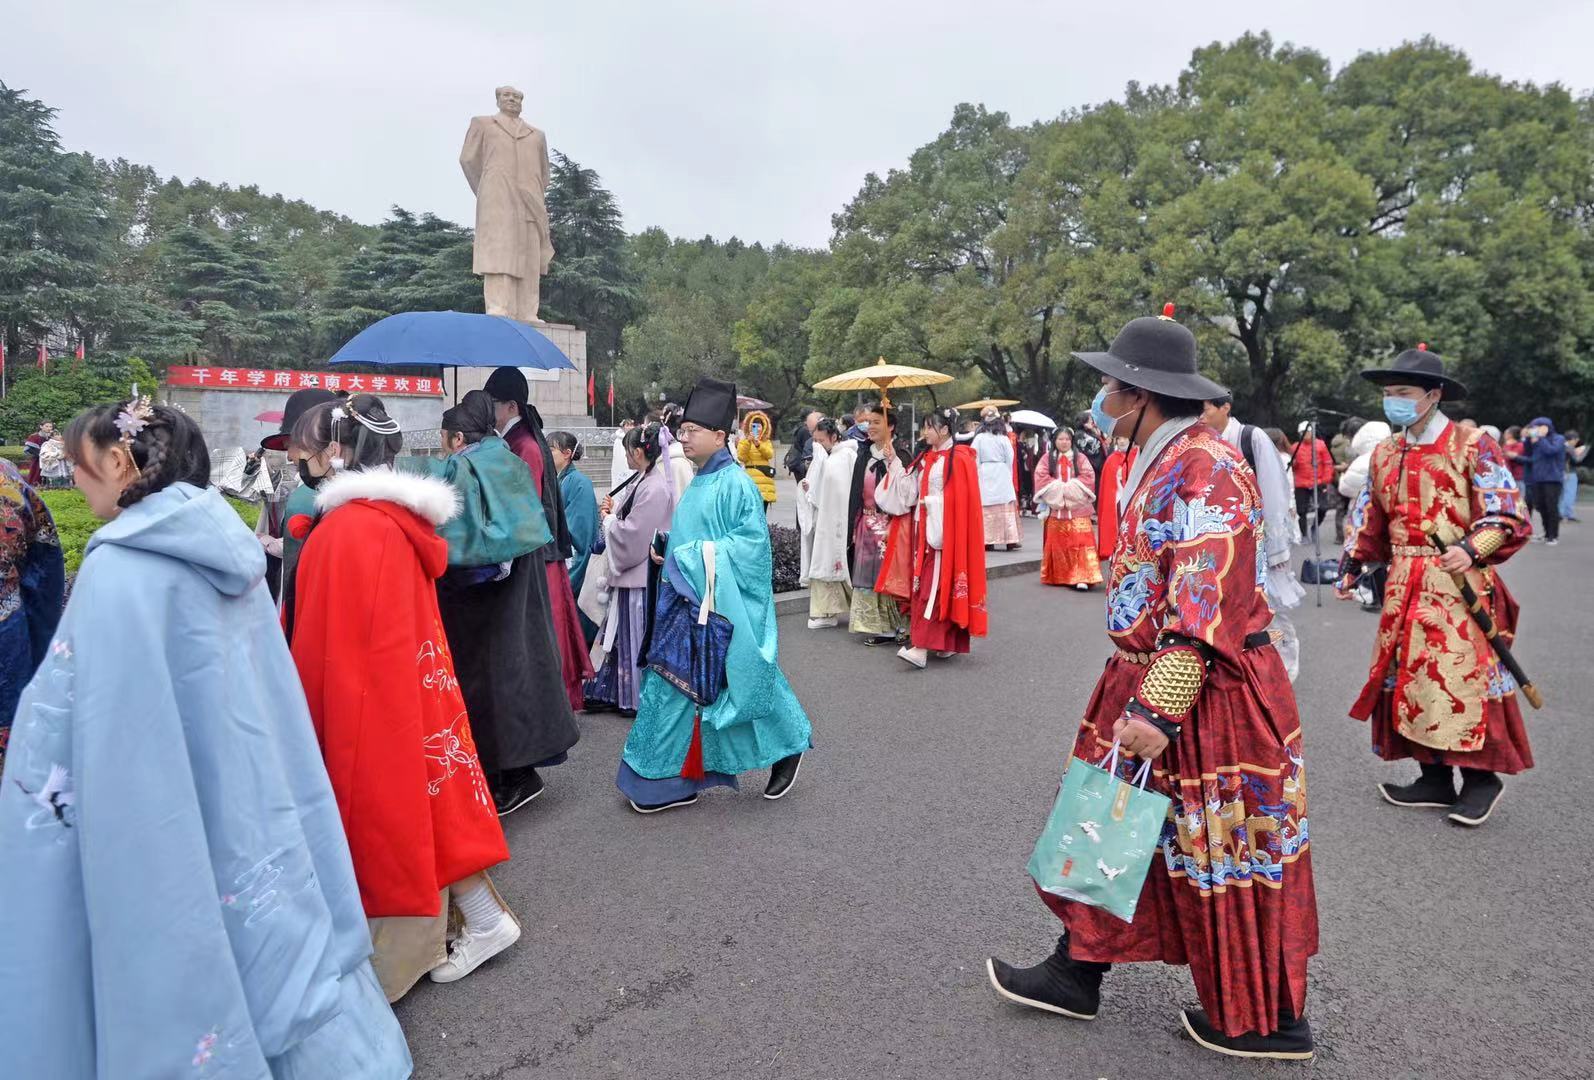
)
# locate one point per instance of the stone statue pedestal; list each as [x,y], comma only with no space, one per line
[560,396]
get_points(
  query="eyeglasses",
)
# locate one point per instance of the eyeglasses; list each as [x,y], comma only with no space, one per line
[689,429]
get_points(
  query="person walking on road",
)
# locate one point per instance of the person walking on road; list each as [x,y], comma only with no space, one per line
[947,601]
[1546,456]
[1436,692]
[718,551]
[876,467]
[1313,466]
[993,453]
[1576,452]
[1195,687]
[1065,484]
[830,489]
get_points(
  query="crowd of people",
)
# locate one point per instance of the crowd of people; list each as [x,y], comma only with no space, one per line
[400,649]
[333,756]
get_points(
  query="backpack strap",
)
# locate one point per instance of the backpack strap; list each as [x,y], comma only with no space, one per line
[1247,435]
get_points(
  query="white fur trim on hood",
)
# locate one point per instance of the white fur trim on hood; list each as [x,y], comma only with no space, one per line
[431,498]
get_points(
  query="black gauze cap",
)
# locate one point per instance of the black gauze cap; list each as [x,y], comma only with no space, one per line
[508,384]
[712,404]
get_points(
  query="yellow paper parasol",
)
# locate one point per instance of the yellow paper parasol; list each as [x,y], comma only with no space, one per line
[986,402]
[883,377]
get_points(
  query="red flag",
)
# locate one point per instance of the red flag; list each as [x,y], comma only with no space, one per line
[592,390]
[611,389]
[79,353]
[2,356]
[43,362]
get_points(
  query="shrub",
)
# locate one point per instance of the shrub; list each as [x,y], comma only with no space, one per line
[787,547]
[75,523]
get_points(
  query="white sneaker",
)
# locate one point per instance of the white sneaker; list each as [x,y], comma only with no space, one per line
[919,658]
[823,624]
[473,948]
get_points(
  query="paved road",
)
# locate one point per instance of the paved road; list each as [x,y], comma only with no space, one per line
[843,931]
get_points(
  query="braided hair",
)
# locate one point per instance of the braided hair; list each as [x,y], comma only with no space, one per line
[361,426]
[646,439]
[168,449]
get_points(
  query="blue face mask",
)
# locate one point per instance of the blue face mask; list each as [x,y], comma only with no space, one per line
[1401,412]
[1098,414]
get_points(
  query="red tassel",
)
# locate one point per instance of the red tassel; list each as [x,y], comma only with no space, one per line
[1422,346]
[1167,310]
[692,767]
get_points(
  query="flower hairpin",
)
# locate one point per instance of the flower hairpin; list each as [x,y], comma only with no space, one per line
[338,413]
[134,417]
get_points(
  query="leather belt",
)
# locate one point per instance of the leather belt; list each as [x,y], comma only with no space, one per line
[1252,641]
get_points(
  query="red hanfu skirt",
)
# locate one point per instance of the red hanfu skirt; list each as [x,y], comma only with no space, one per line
[1230,891]
[1069,555]
[575,660]
[1505,746]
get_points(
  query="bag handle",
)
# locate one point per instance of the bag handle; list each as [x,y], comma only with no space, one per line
[1109,765]
[708,589]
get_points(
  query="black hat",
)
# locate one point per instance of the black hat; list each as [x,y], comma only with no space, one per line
[472,416]
[299,403]
[1418,367]
[1155,354]
[711,404]
[508,384]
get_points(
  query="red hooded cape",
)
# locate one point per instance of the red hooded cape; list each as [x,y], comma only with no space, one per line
[960,596]
[369,645]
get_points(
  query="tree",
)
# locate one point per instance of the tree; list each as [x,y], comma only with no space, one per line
[53,229]
[415,263]
[694,292]
[63,393]
[591,282]
[771,339]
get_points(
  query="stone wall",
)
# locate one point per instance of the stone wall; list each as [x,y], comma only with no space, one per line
[560,396]
[227,417]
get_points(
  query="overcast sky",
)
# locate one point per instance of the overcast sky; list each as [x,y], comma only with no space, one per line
[746,118]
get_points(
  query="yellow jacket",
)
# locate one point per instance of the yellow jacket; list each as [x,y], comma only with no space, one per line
[756,457]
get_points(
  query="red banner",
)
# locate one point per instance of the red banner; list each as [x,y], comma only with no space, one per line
[286,382]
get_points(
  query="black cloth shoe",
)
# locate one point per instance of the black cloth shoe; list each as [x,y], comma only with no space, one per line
[880,639]
[782,775]
[515,789]
[1480,790]
[1435,787]
[1290,1041]
[1057,984]
[656,807]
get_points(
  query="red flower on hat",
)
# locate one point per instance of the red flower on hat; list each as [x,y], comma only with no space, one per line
[299,526]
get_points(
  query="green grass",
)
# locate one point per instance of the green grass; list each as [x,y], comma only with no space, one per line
[75,523]
[13,454]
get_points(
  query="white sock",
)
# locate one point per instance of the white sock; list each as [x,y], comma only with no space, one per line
[478,905]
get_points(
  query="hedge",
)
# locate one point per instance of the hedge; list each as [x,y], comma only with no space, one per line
[75,523]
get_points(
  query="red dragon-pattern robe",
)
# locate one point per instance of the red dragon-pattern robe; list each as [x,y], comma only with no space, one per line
[1232,894]
[1436,691]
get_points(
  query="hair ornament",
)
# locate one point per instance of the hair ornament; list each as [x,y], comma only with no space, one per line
[134,417]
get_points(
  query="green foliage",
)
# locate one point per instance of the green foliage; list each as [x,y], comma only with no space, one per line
[66,391]
[75,523]
[591,282]
[1308,224]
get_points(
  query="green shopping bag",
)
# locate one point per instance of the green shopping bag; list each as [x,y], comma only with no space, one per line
[1101,836]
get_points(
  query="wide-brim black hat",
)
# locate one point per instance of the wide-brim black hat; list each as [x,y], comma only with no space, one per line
[1418,367]
[299,403]
[711,404]
[1155,354]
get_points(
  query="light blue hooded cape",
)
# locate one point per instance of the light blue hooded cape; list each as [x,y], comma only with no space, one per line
[176,895]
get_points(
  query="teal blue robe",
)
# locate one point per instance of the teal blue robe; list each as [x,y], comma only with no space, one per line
[581,517]
[757,719]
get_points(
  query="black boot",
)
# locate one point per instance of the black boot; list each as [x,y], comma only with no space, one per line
[1480,790]
[1057,984]
[1435,787]
[1290,1041]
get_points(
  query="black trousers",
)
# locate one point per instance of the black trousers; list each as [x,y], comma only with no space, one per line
[1303,508]
[1546,499]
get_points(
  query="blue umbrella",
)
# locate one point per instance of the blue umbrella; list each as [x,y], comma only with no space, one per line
[452,339]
